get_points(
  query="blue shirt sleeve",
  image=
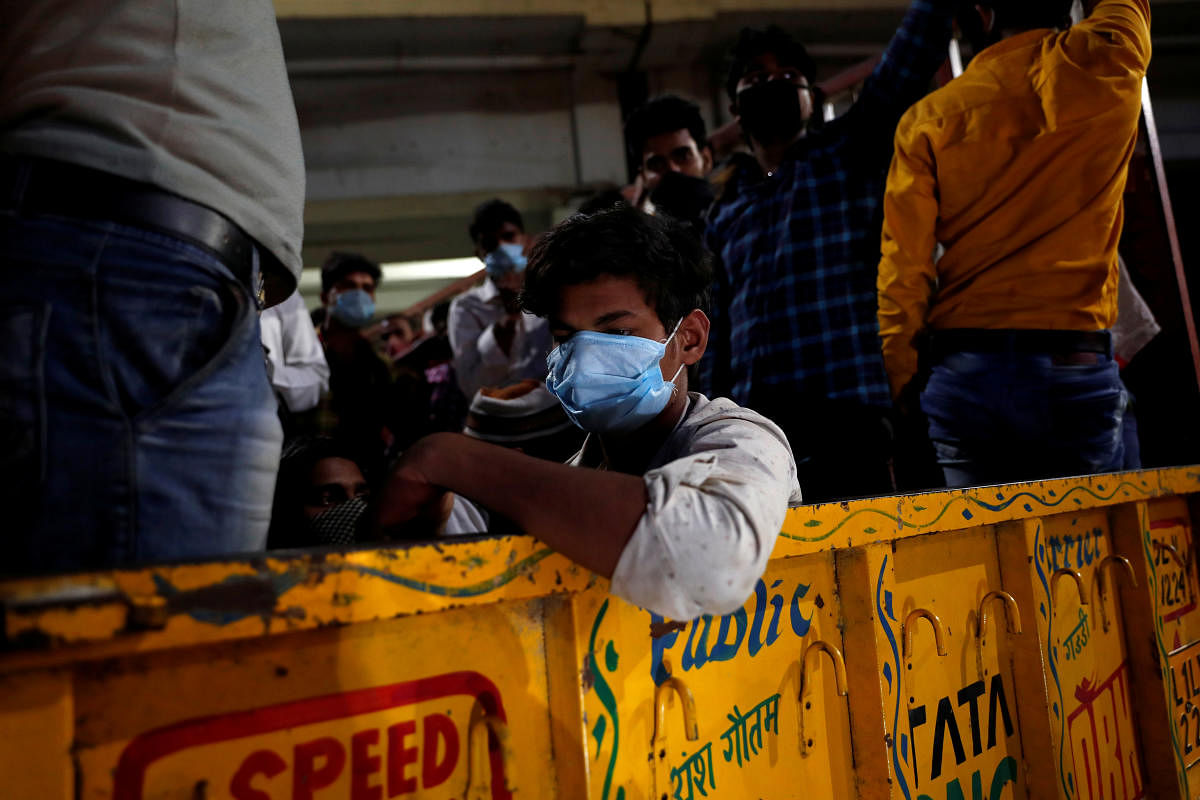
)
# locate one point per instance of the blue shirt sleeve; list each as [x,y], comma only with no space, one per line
[902,76]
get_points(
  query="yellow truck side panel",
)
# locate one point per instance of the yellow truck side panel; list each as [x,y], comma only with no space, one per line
[862,666]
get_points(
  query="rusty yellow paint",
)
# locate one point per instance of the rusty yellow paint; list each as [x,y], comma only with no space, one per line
[36,708]
[496,668]
[859,522]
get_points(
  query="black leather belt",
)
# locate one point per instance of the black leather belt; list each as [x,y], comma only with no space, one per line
[1035,342]
[44,186]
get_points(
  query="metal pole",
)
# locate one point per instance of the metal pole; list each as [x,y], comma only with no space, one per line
[1160,176]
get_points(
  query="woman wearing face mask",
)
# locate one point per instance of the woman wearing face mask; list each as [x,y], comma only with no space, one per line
[675,497]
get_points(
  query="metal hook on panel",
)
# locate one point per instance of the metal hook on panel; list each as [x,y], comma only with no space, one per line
[839,676]
[1098,582]
[1185,565]
[479,773]
[691,729]
[935,622]
[1014,622]
[1073,574]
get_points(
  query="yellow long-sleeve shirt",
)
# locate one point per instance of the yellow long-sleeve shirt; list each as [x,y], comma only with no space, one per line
[1017,168]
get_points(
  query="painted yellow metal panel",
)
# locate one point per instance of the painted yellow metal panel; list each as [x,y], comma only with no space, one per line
[189,604]
[745,673]
[392,671]
[359,711]
[36,728]
[953,725]
[883,519]
[1097,748]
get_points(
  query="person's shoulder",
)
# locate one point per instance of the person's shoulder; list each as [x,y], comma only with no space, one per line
[724,413]
[942,102]
[949,107]
[750,446]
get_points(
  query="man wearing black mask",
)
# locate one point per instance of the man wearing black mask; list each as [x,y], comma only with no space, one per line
[797,232]
[666,137]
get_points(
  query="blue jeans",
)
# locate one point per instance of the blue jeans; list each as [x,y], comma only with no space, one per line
[1005,417]
[136,420]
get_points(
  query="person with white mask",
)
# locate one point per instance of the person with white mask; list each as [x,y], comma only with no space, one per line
[684,495]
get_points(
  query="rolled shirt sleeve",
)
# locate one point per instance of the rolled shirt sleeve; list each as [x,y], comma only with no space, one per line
[711,521]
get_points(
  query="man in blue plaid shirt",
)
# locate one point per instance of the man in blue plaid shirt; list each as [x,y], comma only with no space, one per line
[797,232]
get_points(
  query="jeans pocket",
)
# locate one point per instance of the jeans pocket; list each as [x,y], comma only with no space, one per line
[161,336]
[23,335]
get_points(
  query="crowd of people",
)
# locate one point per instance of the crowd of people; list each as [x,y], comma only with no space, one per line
[921,292]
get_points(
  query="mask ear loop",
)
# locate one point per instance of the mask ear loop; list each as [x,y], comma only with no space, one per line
[675,386]
[674,331]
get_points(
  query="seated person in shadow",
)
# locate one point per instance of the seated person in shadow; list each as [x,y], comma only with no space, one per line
[321,495]
[675,497]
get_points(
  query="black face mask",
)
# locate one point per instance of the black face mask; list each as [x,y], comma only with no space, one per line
[770,111]
[682,196]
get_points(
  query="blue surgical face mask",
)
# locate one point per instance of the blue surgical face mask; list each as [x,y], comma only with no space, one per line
[508,257]
[609,383]
[353,308]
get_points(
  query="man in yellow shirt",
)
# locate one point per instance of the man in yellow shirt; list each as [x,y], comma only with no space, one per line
[1017,169]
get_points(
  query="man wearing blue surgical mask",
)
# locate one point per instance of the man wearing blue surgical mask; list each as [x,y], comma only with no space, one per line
[362,397]
[675,497]
[493,341]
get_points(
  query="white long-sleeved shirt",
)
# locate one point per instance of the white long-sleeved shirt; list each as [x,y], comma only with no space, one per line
[295,359]
[719,489]
[478,358]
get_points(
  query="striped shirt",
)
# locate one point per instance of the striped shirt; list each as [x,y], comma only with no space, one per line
[794,306]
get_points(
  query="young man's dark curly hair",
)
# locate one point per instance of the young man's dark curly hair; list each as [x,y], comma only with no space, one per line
[664,258]
[665,114]
[753,43]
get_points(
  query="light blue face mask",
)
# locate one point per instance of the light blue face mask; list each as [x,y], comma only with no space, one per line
[508,257]
[353,308]
[610,383]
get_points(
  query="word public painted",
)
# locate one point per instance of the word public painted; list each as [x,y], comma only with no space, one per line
[743,739]
[378,760]
[1077,639]
[736,631]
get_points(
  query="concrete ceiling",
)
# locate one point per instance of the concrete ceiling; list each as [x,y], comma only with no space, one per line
[359,66]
